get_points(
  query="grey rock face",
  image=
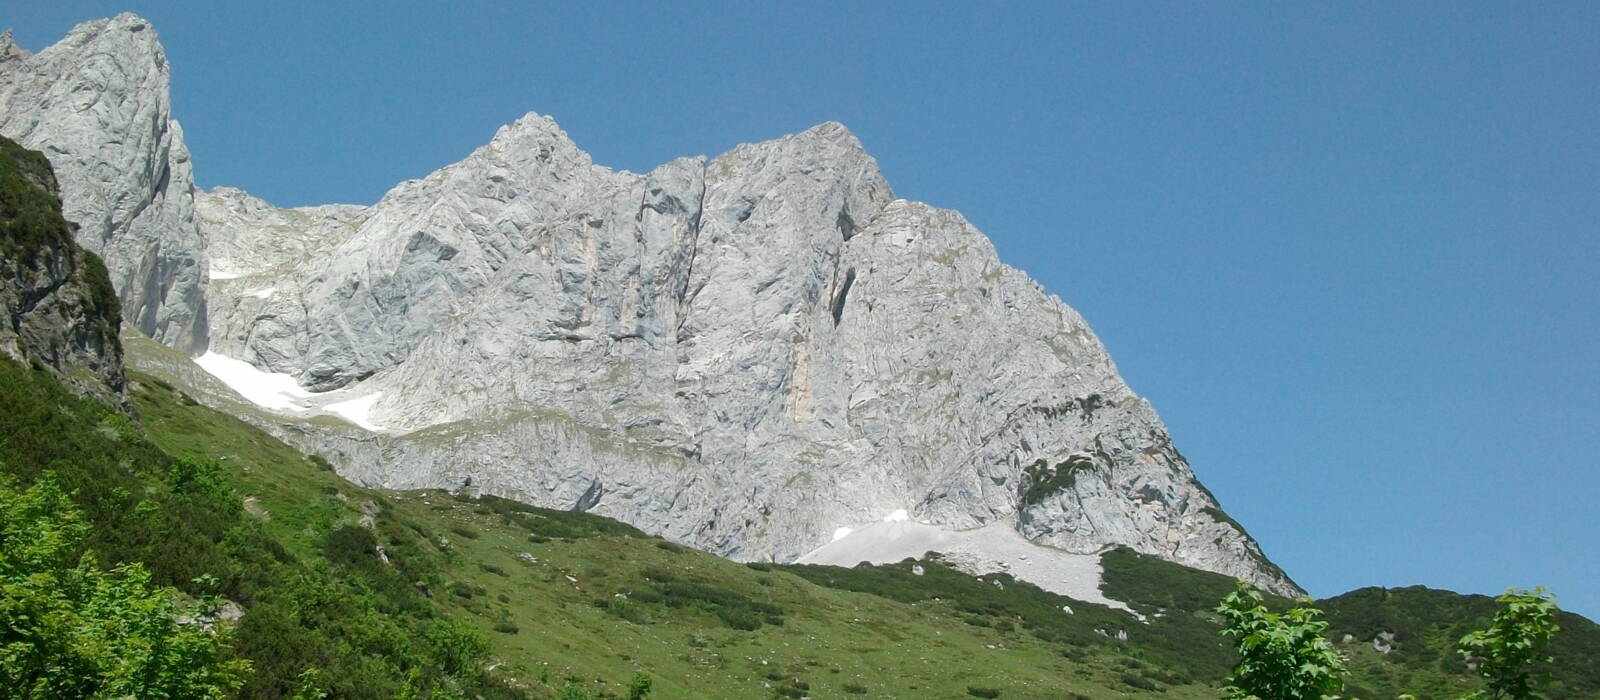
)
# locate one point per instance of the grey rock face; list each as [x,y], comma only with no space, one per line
[57,309]
[96,103]
[744,354]
[258,254]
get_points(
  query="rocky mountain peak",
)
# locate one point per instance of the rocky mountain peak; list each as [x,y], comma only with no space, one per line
[127,36]
[771,323]
[97,104]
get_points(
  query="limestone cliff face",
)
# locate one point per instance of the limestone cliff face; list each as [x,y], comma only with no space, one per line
[745,354]
[57,309]
[96,103]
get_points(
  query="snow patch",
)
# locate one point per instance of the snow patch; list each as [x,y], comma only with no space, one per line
[358,410]
[898,516]
[263,293]
[997,547]
[273,390]
[280,392]
[216,274]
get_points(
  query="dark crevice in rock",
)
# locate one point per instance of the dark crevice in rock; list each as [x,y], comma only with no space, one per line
[839,298]
[590,497]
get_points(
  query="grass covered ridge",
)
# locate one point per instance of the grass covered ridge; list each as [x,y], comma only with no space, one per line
[381,590]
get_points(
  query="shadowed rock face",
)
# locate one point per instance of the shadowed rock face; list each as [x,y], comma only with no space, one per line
[57,309]
[96,104]
[745,354]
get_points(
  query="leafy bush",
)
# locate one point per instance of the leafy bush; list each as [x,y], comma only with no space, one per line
[1282,656]
[352,547]
[639,687]
[1512,653]
[73,630]
[456,645]
[982,692]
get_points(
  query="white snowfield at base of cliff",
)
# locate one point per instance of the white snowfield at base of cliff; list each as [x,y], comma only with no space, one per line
[990,549]
[276,391]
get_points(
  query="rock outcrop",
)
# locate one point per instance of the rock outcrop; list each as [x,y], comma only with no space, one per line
[97,104]
[57,308]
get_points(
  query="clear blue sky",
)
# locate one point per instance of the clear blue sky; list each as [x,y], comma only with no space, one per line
[1348,250]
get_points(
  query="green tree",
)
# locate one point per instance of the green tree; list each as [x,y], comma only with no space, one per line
[71,630]
[1511,654]
[1281,656]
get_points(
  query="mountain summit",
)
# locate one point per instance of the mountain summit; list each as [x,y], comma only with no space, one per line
[97,104]
[756,354]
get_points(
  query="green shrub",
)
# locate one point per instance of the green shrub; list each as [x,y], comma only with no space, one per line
[550,523]
[982,692]
[639,687]
[1281,655]
[351,546]
[1512,653]
[73,630]
[1045,481]
[456,645]
[1137,681]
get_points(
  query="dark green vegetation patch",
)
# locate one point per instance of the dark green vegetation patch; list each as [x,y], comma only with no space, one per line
[1425,625]
[1171,650]
[1045,481]
[30,212]
[31,224]
[545,522]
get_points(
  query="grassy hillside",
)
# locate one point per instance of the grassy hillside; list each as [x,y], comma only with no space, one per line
[390,593]
[1425,625]
[569,598]
[366,584]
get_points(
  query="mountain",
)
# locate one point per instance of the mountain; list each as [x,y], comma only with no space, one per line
[323,588]
[756,354]
[97,104]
